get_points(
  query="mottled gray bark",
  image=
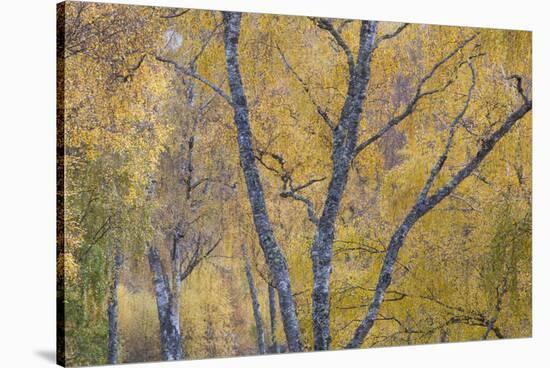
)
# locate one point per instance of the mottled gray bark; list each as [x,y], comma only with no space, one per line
[424,204]
[169,328]
[274,256]
[273,320]
[343,148]
[112,309]
[168,288]
[260,336]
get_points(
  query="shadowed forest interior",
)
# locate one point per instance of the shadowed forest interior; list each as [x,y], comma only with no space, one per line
[235,184]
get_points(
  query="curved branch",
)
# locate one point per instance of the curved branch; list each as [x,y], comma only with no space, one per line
[393,34]
[309,205]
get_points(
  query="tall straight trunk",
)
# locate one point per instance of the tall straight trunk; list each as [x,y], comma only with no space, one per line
[112,309]
[274,256]
[260,338]
[170,336]
[273,320]
[344,144]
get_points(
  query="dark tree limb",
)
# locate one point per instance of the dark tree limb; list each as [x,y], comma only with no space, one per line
[419,95]
[419,209]
[327,25]
[486,147]
[310,182]
[309,205]
[393,34]
[131,70]
[322,112]
[518,79]
[500,292]
[198,257]
[459,315]
[292,192]
[436,169]
[204,45]
[175,13]
[289,190]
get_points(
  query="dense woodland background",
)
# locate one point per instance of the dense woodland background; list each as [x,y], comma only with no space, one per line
[260,184]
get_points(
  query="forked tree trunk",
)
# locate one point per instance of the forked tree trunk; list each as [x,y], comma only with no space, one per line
[344,144]
[112,309]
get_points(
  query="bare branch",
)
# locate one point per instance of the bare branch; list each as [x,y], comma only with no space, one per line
[416,98]
[175,14]
[357,246]
[205,44]
[288,189]
[486,147]
[393,34]
[131,70]
[471,207]
[280,160]
[454,124]
[312,181]
[310,210]
[197,76]
[323,113]
[519,86]
[197,258]
[326,24]
[344,23]
[500,292]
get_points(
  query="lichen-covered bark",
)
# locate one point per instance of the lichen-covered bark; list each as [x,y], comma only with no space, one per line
[170,336]
[112,309]
[420,208]
[274,256]
[344,144]
[260,336]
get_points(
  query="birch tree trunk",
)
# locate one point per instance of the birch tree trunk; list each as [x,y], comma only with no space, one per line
[260,337]
[112,309]
[170,336]
[274,256]
[344,144]
[344,150]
